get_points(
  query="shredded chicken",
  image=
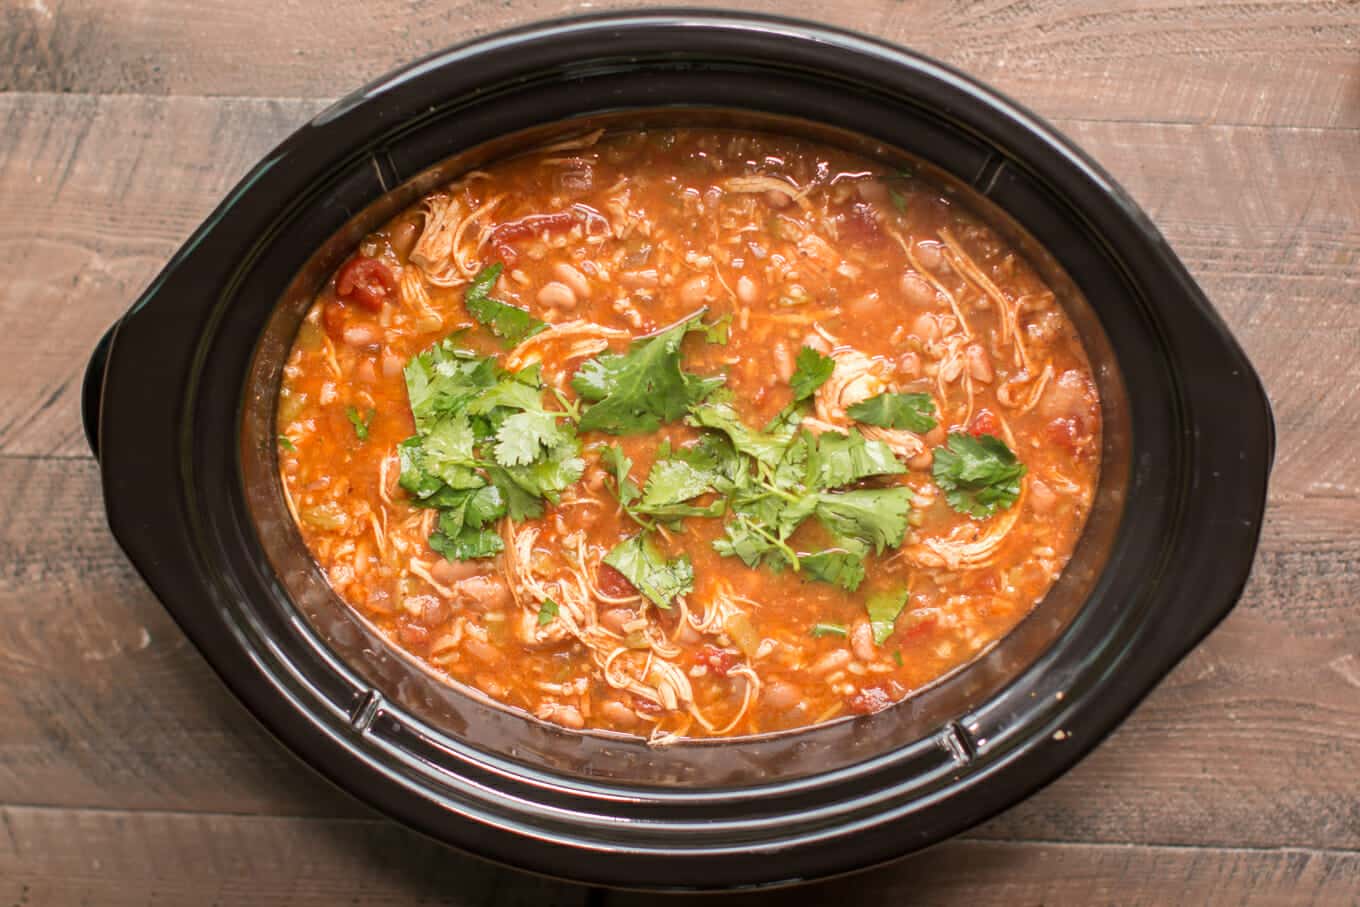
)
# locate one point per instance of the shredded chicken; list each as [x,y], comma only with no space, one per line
[585,338]
[855,379]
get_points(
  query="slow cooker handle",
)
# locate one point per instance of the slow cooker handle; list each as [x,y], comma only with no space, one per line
[92,388]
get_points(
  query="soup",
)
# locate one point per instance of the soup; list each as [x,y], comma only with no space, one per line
[689,433]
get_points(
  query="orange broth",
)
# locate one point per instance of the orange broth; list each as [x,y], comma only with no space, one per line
[618,236]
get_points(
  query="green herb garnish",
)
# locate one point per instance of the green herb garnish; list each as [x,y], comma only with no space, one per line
[914,412]
[980,476]
[547,612]
[360,423]
[485,446]
[810,372]
[634,392]
[659,579]
[825,629]
[883,609]
[511,323]
[287,443]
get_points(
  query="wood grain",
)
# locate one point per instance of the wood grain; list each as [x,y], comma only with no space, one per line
[981,873]
[1276,62]
[58,857]
[1252,742]
[100,191]
[128,775]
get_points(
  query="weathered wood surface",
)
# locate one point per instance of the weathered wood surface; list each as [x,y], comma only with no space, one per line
[129,775]
[1273,62]
[52,857]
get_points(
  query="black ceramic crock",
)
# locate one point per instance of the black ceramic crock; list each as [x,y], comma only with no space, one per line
[179,401]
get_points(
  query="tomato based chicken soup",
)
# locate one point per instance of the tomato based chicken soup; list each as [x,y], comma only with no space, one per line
[689,433]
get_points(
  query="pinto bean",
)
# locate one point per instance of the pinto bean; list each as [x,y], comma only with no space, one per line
[366,372]
[446,571]
[361,335]
[979,364]
[1042,499]
[572,278]
[569,716]
[780,694]
[929,255]
[391,365]
[916,290]
[556,295]
[403,237]
[817,342]
[862,640]
[831,661]
[909,365]
[695,290]
[615,618]
[927,327]
[747,292]
[483,593]
[618,713]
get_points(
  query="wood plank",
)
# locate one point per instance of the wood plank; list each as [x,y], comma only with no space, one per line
[1278,62]
[1252,742]
[979,874]
[61,857]
[101,191]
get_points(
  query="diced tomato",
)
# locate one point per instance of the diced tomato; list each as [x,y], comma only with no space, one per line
[612,582]
[860,224]
[645,706]
[869,700]
[534,224]
[984,423]
[1069,434]
[333,319]
[920,629]
[365,281]
[718,660]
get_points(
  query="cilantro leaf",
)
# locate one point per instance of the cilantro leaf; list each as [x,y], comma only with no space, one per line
[547,612]
[875,516]
[672,482]
[636,391]
[812,370]
[468,544]
[766,447]
[287,443]
[657,578]
[359,422]
[443,379]
[522,437]
[618,463]
[506,321]
[842,459]
[980,476]
[462,533]
[883,609]
[842,566]
[914,412]
[827,629]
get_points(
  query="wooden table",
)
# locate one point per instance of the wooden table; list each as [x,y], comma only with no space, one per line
[128,775]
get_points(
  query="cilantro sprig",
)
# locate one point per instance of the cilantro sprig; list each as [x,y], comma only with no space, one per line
[980,476]
[485,446]
[511,323]
[635,392]
[914,412]
[658,578]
